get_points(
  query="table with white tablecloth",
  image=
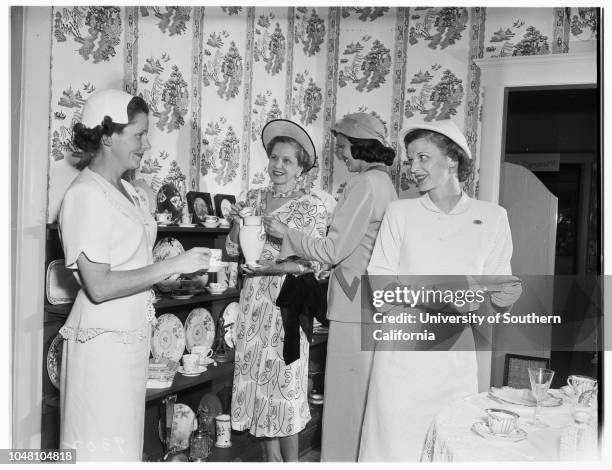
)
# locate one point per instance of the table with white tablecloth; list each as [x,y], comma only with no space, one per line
[450,436]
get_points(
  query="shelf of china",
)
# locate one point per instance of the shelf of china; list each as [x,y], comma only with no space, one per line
[173,229]
[163,304]
[181,382]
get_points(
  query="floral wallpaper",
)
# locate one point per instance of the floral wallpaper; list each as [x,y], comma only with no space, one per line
[213,76]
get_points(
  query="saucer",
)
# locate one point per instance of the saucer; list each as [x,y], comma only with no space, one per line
[483,431]
[201,369]
[207,361]
[161,225]
[187,225]
[210,224]
[181,296]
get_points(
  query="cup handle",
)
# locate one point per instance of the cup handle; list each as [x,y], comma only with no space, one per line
[569,382]
[209,353]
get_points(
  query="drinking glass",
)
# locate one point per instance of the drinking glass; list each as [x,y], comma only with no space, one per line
[540,383]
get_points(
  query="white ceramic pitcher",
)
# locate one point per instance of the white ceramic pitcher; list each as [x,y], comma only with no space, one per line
[252,238]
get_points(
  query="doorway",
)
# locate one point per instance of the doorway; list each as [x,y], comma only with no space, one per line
[555,131]
[563,124]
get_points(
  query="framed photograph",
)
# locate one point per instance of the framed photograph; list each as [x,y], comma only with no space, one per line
[223,203]
[200,205]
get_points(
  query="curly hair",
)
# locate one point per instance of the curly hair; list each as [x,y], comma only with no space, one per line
[303,158]
[370,150]
[447,146]
[88,139]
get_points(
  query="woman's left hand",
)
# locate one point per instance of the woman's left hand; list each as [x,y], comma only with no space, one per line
[265,267]
[274,228]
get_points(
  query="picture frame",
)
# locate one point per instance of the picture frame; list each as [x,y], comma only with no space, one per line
[222,203]
[199,205]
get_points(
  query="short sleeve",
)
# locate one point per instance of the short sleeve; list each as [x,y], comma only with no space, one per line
[85,225]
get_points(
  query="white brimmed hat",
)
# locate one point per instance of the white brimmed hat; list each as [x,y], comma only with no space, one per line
[112,103]
[447,128]
[362,126]
[287,128]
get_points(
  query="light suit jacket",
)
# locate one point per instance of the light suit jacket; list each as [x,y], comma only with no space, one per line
[350,240]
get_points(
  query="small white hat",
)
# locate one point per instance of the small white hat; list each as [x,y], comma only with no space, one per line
[362,126]
[287,128]
[112,103]
[447,128]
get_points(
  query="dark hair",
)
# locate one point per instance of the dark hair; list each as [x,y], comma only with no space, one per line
[303,158]
[88,139]
[446,146]
[370,150]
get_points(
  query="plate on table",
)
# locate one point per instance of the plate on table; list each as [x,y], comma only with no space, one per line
[199,329]
[184,422]
[522,396]
[54,360]
[168,338]
[483,430]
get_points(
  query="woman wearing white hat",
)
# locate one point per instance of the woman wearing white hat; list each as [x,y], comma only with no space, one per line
[107,239]
[444,232]
[269,396]
[361,144]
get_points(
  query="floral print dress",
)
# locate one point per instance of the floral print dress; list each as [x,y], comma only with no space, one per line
[269,397]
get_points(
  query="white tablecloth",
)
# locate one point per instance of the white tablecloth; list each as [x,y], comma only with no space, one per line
[450,437]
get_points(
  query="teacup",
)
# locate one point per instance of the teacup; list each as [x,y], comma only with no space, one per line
[211,219]
[581,383]
[191,362]
[252,220]
[202,352]
[164,217]
[217,285]
[501,421]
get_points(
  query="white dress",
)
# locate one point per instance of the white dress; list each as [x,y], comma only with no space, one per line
[106,348]
[408,388]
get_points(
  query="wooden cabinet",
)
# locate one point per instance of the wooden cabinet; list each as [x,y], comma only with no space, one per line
[189,390]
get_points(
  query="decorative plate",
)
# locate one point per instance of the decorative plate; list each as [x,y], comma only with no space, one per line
[184,422]
[61,286]
[167,247]
[54,360]
[169,200]
[168,338]
[146,196]
[522,396]
[199,329]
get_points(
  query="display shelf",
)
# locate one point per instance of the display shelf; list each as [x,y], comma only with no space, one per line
[174,229]
[162,304]
[181,382]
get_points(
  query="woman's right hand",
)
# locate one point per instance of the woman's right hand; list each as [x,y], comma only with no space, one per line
[195,259]
[238,210]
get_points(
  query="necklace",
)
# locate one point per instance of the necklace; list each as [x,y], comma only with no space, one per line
[277,195]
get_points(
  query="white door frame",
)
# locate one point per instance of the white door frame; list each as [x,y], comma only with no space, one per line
[497,75]
[32,160]
[524,71]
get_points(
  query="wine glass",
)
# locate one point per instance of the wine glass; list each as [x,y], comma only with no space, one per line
[540,383]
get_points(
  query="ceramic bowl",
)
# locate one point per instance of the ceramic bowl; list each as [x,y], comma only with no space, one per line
[211,224]
[218,290]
